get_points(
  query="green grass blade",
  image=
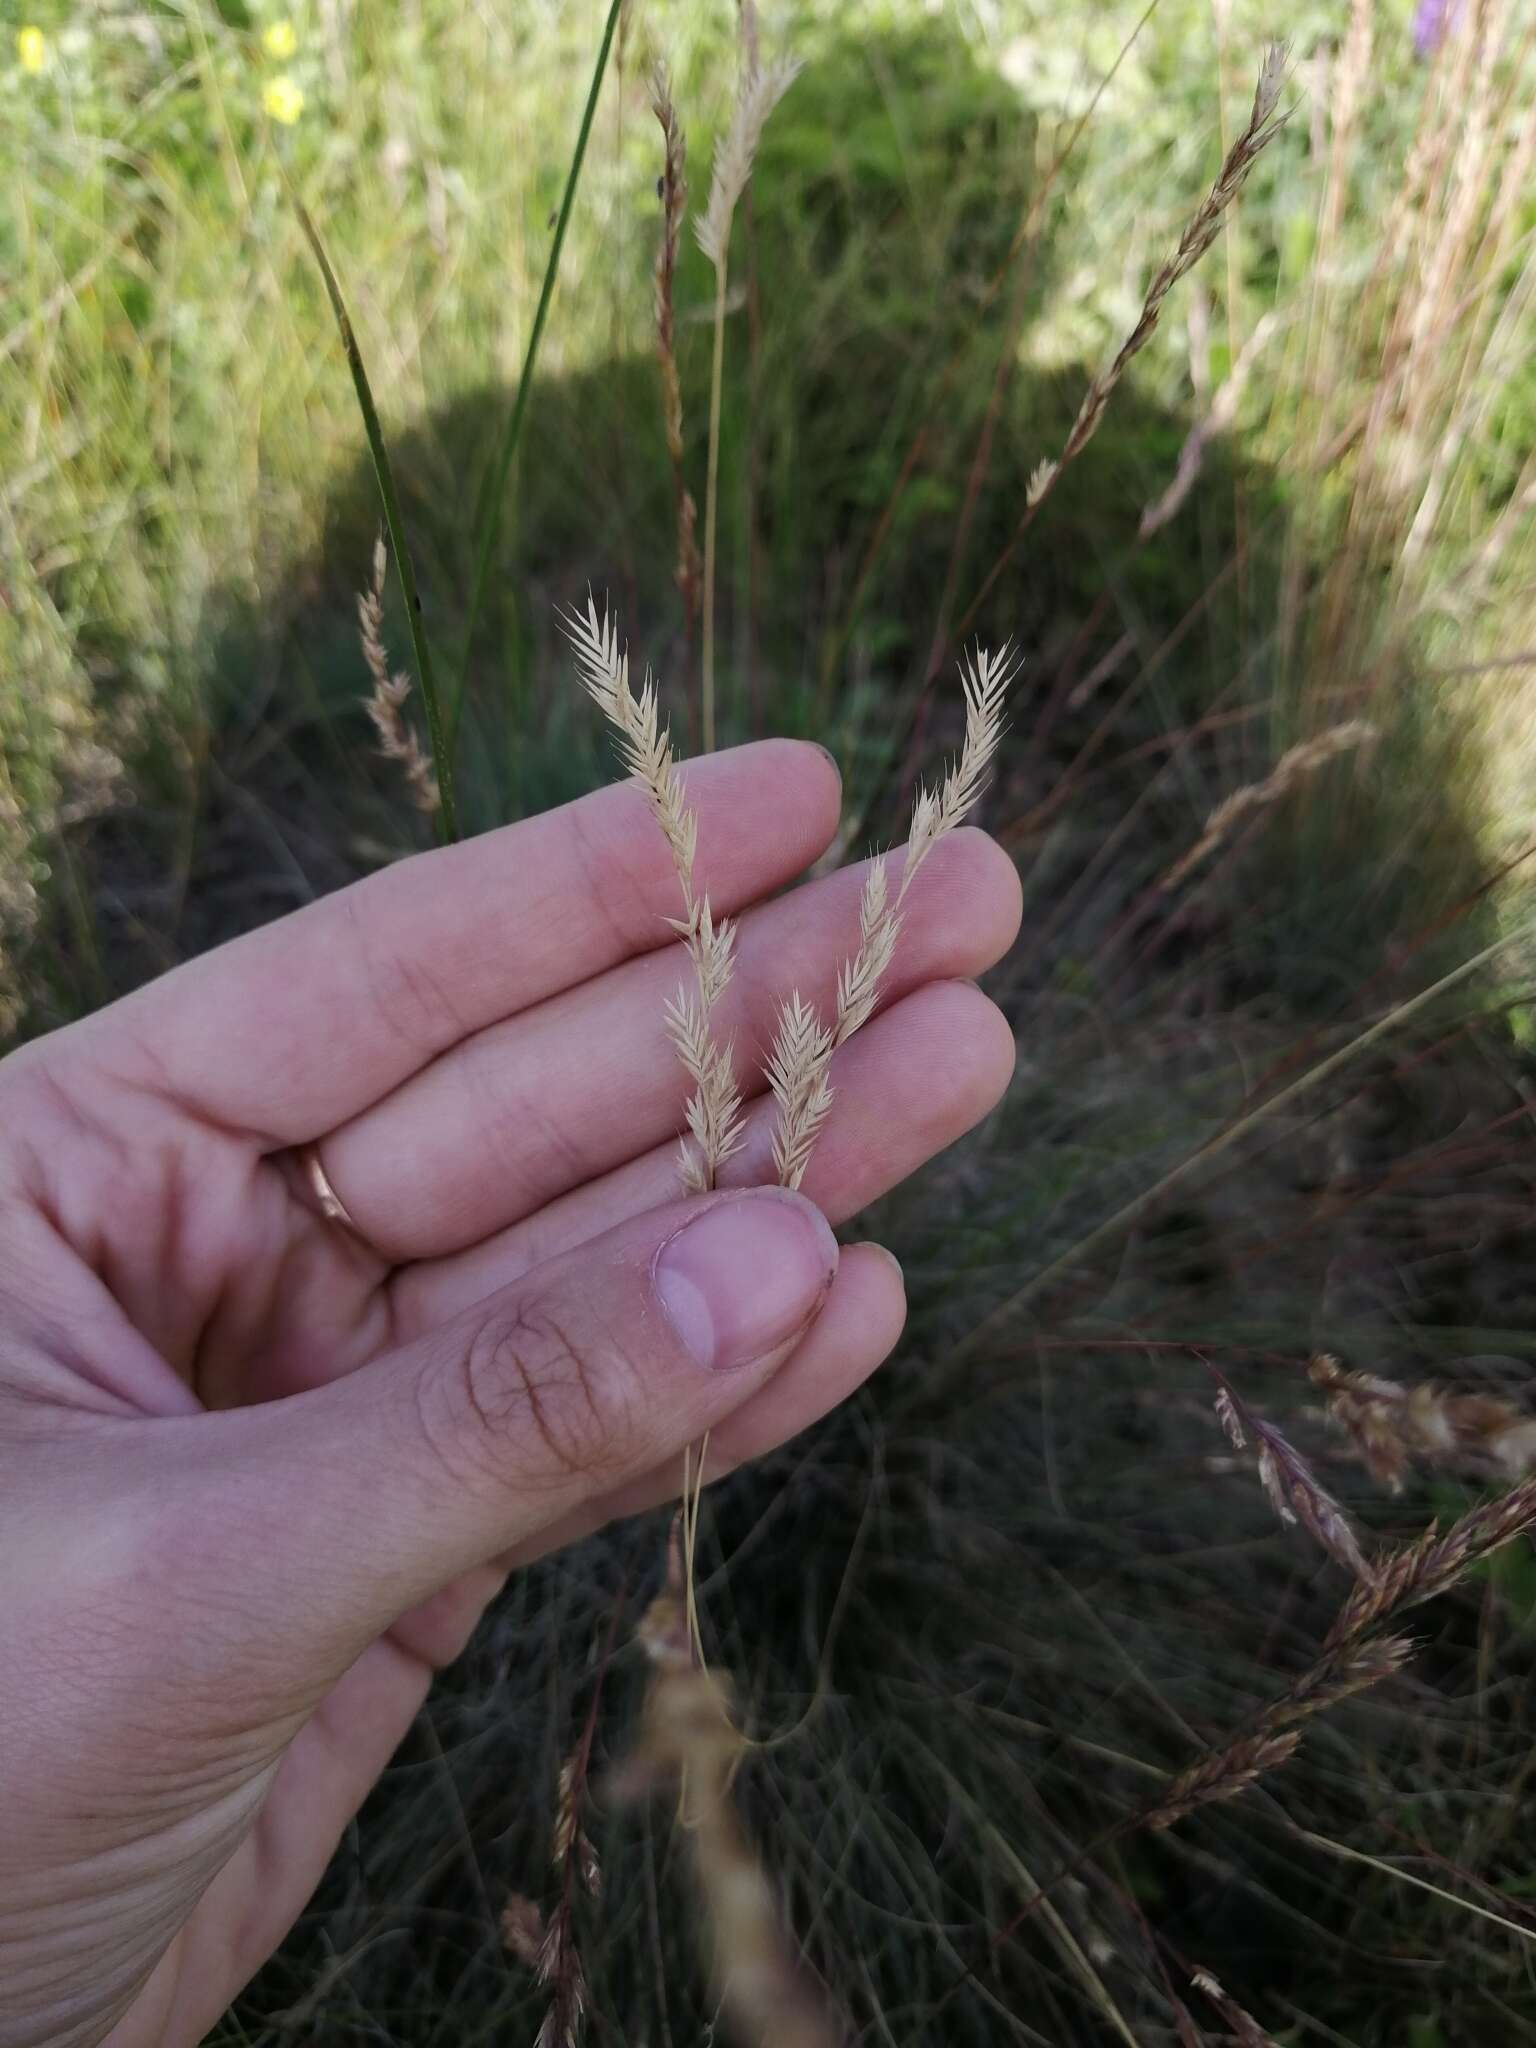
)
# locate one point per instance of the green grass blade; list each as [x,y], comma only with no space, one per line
[437,731]
[488,516]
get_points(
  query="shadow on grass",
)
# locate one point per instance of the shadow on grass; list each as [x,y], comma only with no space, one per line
[990,1602]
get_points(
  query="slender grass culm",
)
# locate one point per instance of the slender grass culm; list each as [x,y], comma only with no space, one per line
[758,93]
[488,512]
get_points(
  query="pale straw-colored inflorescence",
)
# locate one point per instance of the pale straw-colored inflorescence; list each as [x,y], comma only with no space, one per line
[803,1048]
[762,87]
[385,703]
[1201,230]
[674,200]
[645,746]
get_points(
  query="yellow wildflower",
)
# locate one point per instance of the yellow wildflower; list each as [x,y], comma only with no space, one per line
[283,100]
[31,49]
[279,40]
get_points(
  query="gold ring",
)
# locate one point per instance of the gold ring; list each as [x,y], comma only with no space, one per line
[332,1207]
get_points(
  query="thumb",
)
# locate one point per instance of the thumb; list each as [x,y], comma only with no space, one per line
[374,1491]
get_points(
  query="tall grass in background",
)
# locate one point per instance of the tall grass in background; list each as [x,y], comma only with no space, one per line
[1267,783]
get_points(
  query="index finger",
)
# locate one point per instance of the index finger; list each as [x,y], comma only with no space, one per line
[294,1028]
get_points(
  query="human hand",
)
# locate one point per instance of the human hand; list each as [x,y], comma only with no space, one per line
[260,1473]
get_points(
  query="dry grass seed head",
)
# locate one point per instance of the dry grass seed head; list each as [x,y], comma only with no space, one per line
[689,1739]
[1392,1426]
[674,200]
[761,89]
[1293,1489]
[385,703]
[803,1048]
[645,746]
[1201,230]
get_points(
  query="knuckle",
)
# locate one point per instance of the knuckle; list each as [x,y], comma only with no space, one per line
[534,1405]
[413,1003]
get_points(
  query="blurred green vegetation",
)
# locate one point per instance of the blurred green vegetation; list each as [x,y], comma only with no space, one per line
[1023,1577]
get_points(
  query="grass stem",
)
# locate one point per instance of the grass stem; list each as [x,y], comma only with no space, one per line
[711,507]
[488,513]
[437,732]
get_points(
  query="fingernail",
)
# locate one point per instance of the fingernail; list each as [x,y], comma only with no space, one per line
[890,1258]
[745,1276]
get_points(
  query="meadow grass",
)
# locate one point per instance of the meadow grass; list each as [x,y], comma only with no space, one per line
[1273,1097]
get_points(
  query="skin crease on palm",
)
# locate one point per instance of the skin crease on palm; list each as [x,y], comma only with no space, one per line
[260,1475]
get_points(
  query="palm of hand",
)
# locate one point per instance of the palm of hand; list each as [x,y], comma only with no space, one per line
[252,1490]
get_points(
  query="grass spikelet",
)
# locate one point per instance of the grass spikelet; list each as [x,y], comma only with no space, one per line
[1392,1427]
[759,92]
[761,89]
[645,747]
[797,1074]
[386,701]
[1293,1489]
[1222,1776]
[803,1047]
[1436,1563]
[1293,768]
[674,201]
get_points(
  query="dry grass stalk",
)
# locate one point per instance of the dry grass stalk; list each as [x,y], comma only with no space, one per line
[1293,768]
[1294,1491]
[645,746]
[548,1948]
[1204,226]
[1356,1654]
[674,200]
[759,92]
[1201,231]
[689,1739]
[386,702]
[803,1046]
[1393,1426]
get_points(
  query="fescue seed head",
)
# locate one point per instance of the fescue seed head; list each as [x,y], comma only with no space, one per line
[385,704]
[645,746]
[761,89]
[803,1048]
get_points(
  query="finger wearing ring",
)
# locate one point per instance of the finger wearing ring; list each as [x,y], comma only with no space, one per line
[332,1207]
